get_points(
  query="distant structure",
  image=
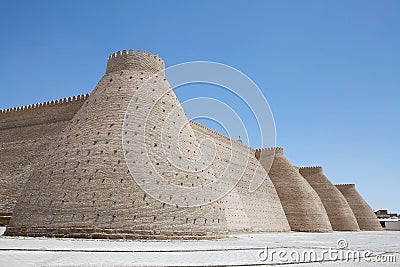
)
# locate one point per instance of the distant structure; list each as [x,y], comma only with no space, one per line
[388,221]
[63,171]
[385,214]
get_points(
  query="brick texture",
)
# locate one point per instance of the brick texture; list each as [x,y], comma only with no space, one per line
[260,210]
[24,134]
[83,183]
[302,205]
[64,171]
[339,212]
[365,216]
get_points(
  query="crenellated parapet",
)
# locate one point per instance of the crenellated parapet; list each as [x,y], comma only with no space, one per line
[45,104]
[311,169]
[220,135]
[268,151]
[346,185]
[276,149]
[41,113]
[135,60]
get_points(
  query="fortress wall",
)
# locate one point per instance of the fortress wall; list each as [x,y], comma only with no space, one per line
[83,187]
[365,216]
[338,210]
[40,114]
[67,159]
[257,211]
[24,132]
[302,205]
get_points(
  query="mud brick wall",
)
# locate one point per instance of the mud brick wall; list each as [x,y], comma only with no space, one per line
[302,205]
[24,133]
[64,171]
[365,216]
[339,212]
[83,185]
[260,210]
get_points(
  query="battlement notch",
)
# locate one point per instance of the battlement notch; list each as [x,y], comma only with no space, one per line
[45,104]
[135,60]
[310,169]
[268,151]
[346,185]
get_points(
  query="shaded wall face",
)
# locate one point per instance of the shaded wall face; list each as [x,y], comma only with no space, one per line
[366,218]
[302,205]
[257,211]
[24,134]
[339,212]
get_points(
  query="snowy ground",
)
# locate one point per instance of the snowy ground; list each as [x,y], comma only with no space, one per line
[296,249]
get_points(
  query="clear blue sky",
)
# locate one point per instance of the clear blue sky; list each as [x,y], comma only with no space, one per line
[329,69]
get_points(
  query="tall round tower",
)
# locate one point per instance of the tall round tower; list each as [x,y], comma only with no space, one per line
[302,205]
[339,212]
[366,218]
[83,186]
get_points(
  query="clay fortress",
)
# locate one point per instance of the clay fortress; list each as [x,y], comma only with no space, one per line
[64,172]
